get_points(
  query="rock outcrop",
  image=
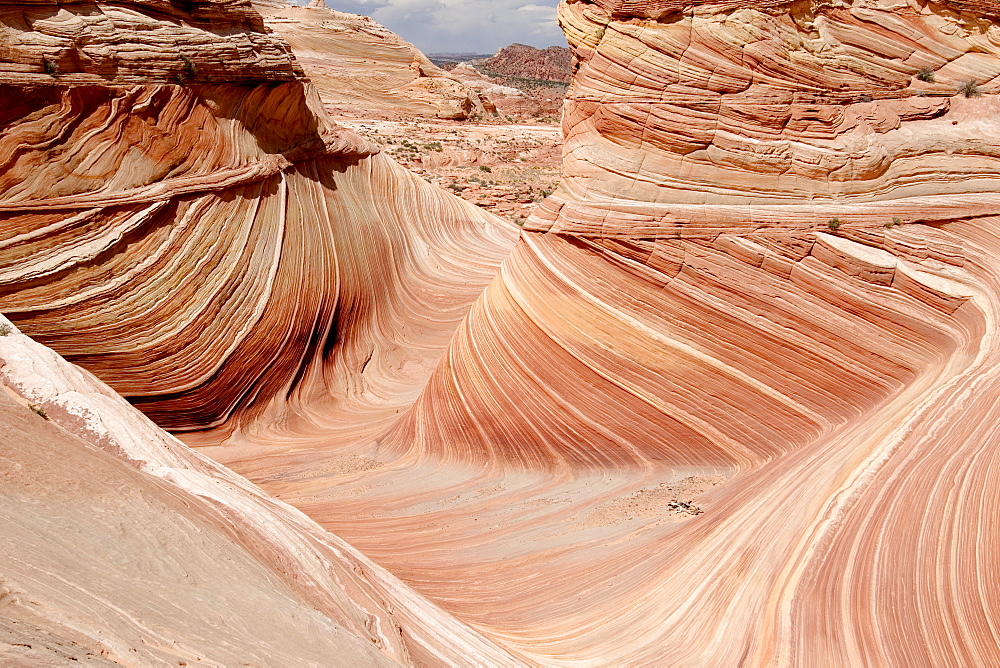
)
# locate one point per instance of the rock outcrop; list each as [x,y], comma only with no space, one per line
[526,62]
[772,260]
[362,69]
[121,546]
[208,209]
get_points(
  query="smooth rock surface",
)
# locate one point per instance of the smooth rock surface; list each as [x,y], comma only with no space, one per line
[360,68]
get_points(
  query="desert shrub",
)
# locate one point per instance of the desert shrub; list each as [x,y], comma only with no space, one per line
[38,410]
[925,74]
[189,67]
[5,329]
[970,88]
[50,67]
[485,168]
[833,224]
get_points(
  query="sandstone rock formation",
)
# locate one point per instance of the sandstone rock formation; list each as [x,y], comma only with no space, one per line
[772,259]
[208,209]
[729,401]
[119,545]
[189,225]
[362,69]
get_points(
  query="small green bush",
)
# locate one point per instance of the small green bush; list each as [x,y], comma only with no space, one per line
[834,224]
[38,410]
[485,168]
[925,74]
[5,329]
[50,67]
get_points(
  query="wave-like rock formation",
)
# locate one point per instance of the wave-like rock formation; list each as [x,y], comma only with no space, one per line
[729,401]
[272,249]
[361,68]
[179,216]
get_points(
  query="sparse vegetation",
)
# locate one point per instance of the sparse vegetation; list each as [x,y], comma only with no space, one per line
[970,88]
[925,74]
[38,410]
[434,146]
[50,67]
[189,67]
[485,168]
[5,329]
[833,224]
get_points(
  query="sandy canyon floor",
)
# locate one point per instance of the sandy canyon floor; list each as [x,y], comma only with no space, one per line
[505,168]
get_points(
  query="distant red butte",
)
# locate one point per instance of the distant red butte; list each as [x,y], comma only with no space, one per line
[526,62]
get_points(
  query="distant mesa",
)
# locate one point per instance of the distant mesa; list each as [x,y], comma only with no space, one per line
[526,62]
[520,80]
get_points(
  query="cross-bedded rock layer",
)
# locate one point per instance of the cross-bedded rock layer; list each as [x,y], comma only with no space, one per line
[729,401]
[362,69]
[765,289]
[772,258]
[189,225]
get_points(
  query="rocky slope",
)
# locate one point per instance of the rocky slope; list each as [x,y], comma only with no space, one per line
[521,81]
[526,62]
[119,545]
[362,69]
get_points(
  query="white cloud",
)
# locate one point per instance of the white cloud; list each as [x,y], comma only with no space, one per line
[535,8]
[477,26]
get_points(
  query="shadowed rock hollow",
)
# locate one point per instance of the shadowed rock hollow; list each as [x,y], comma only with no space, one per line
[729,400]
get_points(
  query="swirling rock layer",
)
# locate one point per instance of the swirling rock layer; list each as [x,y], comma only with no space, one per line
[210,244]
[203,210]
[728,402]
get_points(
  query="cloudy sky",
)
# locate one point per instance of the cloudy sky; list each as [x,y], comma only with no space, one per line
[480,26]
